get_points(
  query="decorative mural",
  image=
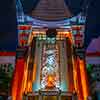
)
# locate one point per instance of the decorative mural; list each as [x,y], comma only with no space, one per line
[50,78]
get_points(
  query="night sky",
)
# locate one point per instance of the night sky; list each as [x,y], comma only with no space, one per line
[8,31]
[93,21]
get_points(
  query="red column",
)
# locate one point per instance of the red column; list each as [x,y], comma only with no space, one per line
[79,84]
[17,83]
[84,79]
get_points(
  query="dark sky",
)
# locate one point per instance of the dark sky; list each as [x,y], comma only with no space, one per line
[93,21]
[7,25]
[8,32]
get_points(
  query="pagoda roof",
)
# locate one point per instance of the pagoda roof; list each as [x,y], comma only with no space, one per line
[52,10]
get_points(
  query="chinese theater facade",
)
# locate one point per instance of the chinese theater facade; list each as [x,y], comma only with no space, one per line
[50,64]
[50,60]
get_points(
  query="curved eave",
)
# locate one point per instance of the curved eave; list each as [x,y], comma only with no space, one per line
[55,24]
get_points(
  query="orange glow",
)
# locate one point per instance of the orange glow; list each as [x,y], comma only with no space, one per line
[29,83]
[25,78]
[34,72]
[50,78]
[34,69]
[84,79]
[29,88]
[69,35]
[50,81]
[77,80]
[26,75]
